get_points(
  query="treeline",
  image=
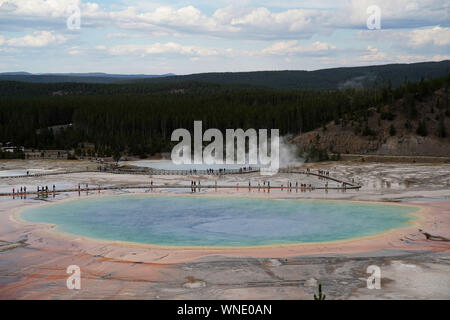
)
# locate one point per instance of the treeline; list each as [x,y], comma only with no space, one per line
[330,79]
[142,123]
[25,89]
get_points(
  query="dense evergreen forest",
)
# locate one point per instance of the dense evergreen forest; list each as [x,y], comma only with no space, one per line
[24,89]
[139,118]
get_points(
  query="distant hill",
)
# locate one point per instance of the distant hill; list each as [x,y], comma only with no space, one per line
[94,77]
[138,118]
[389,129]
[336,78]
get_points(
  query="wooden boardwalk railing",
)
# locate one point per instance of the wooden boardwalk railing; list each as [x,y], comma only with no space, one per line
[139,171]
[154,187]
[344,185]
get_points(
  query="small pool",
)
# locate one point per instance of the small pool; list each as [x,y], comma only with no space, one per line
[219,221]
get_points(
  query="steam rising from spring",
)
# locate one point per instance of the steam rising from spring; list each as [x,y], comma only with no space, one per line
[289,153]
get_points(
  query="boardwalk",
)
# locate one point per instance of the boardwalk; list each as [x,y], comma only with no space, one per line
[343,185]
[146,171]
[187,187]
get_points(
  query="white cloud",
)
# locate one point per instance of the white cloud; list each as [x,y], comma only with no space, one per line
[428,39]
[420,58]
[232,21]
[272,33]
[374,55]
[286,48]
[37,39]
[47,8]
[399,13]
[439,57]
[436,36]
[169,21]
[262,23]
[290,20]
[76,50]
[121,35]
[292,47]
[161,48]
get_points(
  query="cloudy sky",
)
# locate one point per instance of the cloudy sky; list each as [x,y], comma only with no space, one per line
[178,36]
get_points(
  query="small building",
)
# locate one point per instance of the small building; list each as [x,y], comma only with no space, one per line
[56,129]
[46,154]
[8,147]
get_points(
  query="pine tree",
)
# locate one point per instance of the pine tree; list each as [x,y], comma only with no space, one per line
[422,129]
[441,129]
[320,295]
[392,130]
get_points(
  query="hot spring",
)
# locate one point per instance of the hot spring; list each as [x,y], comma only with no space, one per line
[219,221]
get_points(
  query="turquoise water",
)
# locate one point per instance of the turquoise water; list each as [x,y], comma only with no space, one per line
[218,221]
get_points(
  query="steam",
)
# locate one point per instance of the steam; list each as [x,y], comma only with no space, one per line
[289,153]
[259,151]
[358,82]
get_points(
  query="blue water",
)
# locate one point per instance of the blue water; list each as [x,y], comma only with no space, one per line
[218,221]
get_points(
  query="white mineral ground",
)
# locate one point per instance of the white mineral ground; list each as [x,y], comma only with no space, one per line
[34,259]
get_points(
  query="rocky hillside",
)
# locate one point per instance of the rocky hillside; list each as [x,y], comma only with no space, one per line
[405,127]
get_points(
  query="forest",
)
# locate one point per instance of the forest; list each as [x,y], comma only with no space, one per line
[138,118]
[330,79]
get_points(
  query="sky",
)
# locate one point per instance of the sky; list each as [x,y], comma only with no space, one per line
[184,37]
